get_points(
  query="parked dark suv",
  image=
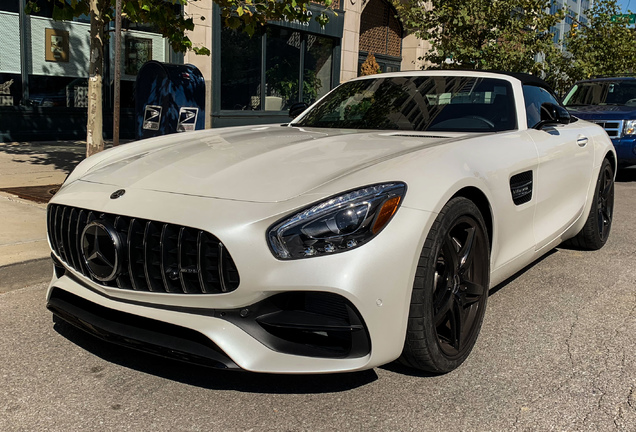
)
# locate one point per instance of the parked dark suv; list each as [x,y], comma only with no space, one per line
[611,103]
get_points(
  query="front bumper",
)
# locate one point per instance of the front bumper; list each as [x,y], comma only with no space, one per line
[265,325]
[625,150]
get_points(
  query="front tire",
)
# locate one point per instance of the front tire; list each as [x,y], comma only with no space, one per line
[450,290]
[597,227]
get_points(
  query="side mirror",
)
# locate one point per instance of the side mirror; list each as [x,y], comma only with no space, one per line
[297,109]
[553,114]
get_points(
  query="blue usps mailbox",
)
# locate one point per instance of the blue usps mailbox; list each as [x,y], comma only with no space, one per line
[169,98]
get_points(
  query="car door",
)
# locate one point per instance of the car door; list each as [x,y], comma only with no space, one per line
[565,160]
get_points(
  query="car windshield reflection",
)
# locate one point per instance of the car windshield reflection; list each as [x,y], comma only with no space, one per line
[421,103]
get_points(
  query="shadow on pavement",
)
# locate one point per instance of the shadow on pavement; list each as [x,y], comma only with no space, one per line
[213,379]
[626,175]
[494,290]
[62,156]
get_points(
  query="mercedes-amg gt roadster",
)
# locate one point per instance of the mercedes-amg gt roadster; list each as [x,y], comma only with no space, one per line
[368,229]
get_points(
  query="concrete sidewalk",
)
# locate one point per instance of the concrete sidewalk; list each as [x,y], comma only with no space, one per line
[23,223]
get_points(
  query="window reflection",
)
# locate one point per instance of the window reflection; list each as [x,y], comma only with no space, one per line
[318,66]
[54,91]
[240,71]
[465,104]
[282,68]
[285,83]
[10,89]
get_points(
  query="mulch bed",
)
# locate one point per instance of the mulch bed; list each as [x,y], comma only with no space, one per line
[39,194]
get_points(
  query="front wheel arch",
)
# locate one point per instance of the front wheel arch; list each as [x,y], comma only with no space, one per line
[481,201]
[450,290]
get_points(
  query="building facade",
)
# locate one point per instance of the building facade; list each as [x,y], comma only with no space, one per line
[256,79]
[249,80]
[576,14]
[44,73]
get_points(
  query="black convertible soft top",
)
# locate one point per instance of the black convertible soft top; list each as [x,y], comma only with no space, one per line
[525,78]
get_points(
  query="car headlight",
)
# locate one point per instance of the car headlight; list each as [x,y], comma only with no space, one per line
[630,127]
[337,224]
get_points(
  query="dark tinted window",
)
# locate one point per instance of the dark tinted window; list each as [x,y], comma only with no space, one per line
[619,92]
[421,103]
[240,70]
[10,5]
[535,96]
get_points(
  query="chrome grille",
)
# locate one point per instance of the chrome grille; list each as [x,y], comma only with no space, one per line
[614,128]
[156,256]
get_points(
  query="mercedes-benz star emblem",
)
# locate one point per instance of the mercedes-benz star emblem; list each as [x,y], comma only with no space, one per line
[101,248]
[117,193]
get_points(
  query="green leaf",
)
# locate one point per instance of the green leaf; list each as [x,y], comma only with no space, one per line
[201,51]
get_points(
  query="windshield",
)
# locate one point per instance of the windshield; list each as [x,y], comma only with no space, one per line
[420,103]
[602,93]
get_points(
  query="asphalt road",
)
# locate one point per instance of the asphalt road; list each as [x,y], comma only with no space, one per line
[557,352]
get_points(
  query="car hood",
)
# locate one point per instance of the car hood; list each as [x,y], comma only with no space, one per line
[603,112]
[260,164]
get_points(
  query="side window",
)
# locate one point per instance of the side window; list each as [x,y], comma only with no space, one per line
[535,96]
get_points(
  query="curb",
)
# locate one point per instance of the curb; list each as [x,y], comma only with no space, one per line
[24,274]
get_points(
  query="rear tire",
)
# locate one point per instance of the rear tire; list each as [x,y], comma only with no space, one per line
[450,290]
[597,227]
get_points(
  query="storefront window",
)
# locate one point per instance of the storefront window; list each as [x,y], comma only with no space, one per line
[282,68]
[240,71]
[43,8]
[10,89]
[55,91]
[318,67]
[10,6]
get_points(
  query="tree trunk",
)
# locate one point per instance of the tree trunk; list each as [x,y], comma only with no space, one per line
[94,137]
[116,103]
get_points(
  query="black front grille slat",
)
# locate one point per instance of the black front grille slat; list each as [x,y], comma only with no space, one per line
[152,257]
[155,256]
[71,239]
[170,258]
[62,234]
[136,266]
[122,225]
[220,267]
[79,228]
[187,261]
[209,262]
[57,230]
[204,287]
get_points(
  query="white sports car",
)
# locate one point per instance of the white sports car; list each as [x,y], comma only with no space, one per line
[368,229]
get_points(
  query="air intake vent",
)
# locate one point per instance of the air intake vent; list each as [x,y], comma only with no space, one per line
[521,187]
[146,256]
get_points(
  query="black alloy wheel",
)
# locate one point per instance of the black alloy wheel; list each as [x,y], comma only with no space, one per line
[450,290]
[459,290]
[605,202]
[598,224]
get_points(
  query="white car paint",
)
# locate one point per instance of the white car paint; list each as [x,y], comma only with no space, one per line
[236,182]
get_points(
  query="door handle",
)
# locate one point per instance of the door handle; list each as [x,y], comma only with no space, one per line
[582,141]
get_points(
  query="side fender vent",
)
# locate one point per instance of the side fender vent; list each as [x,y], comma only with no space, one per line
[521,187]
